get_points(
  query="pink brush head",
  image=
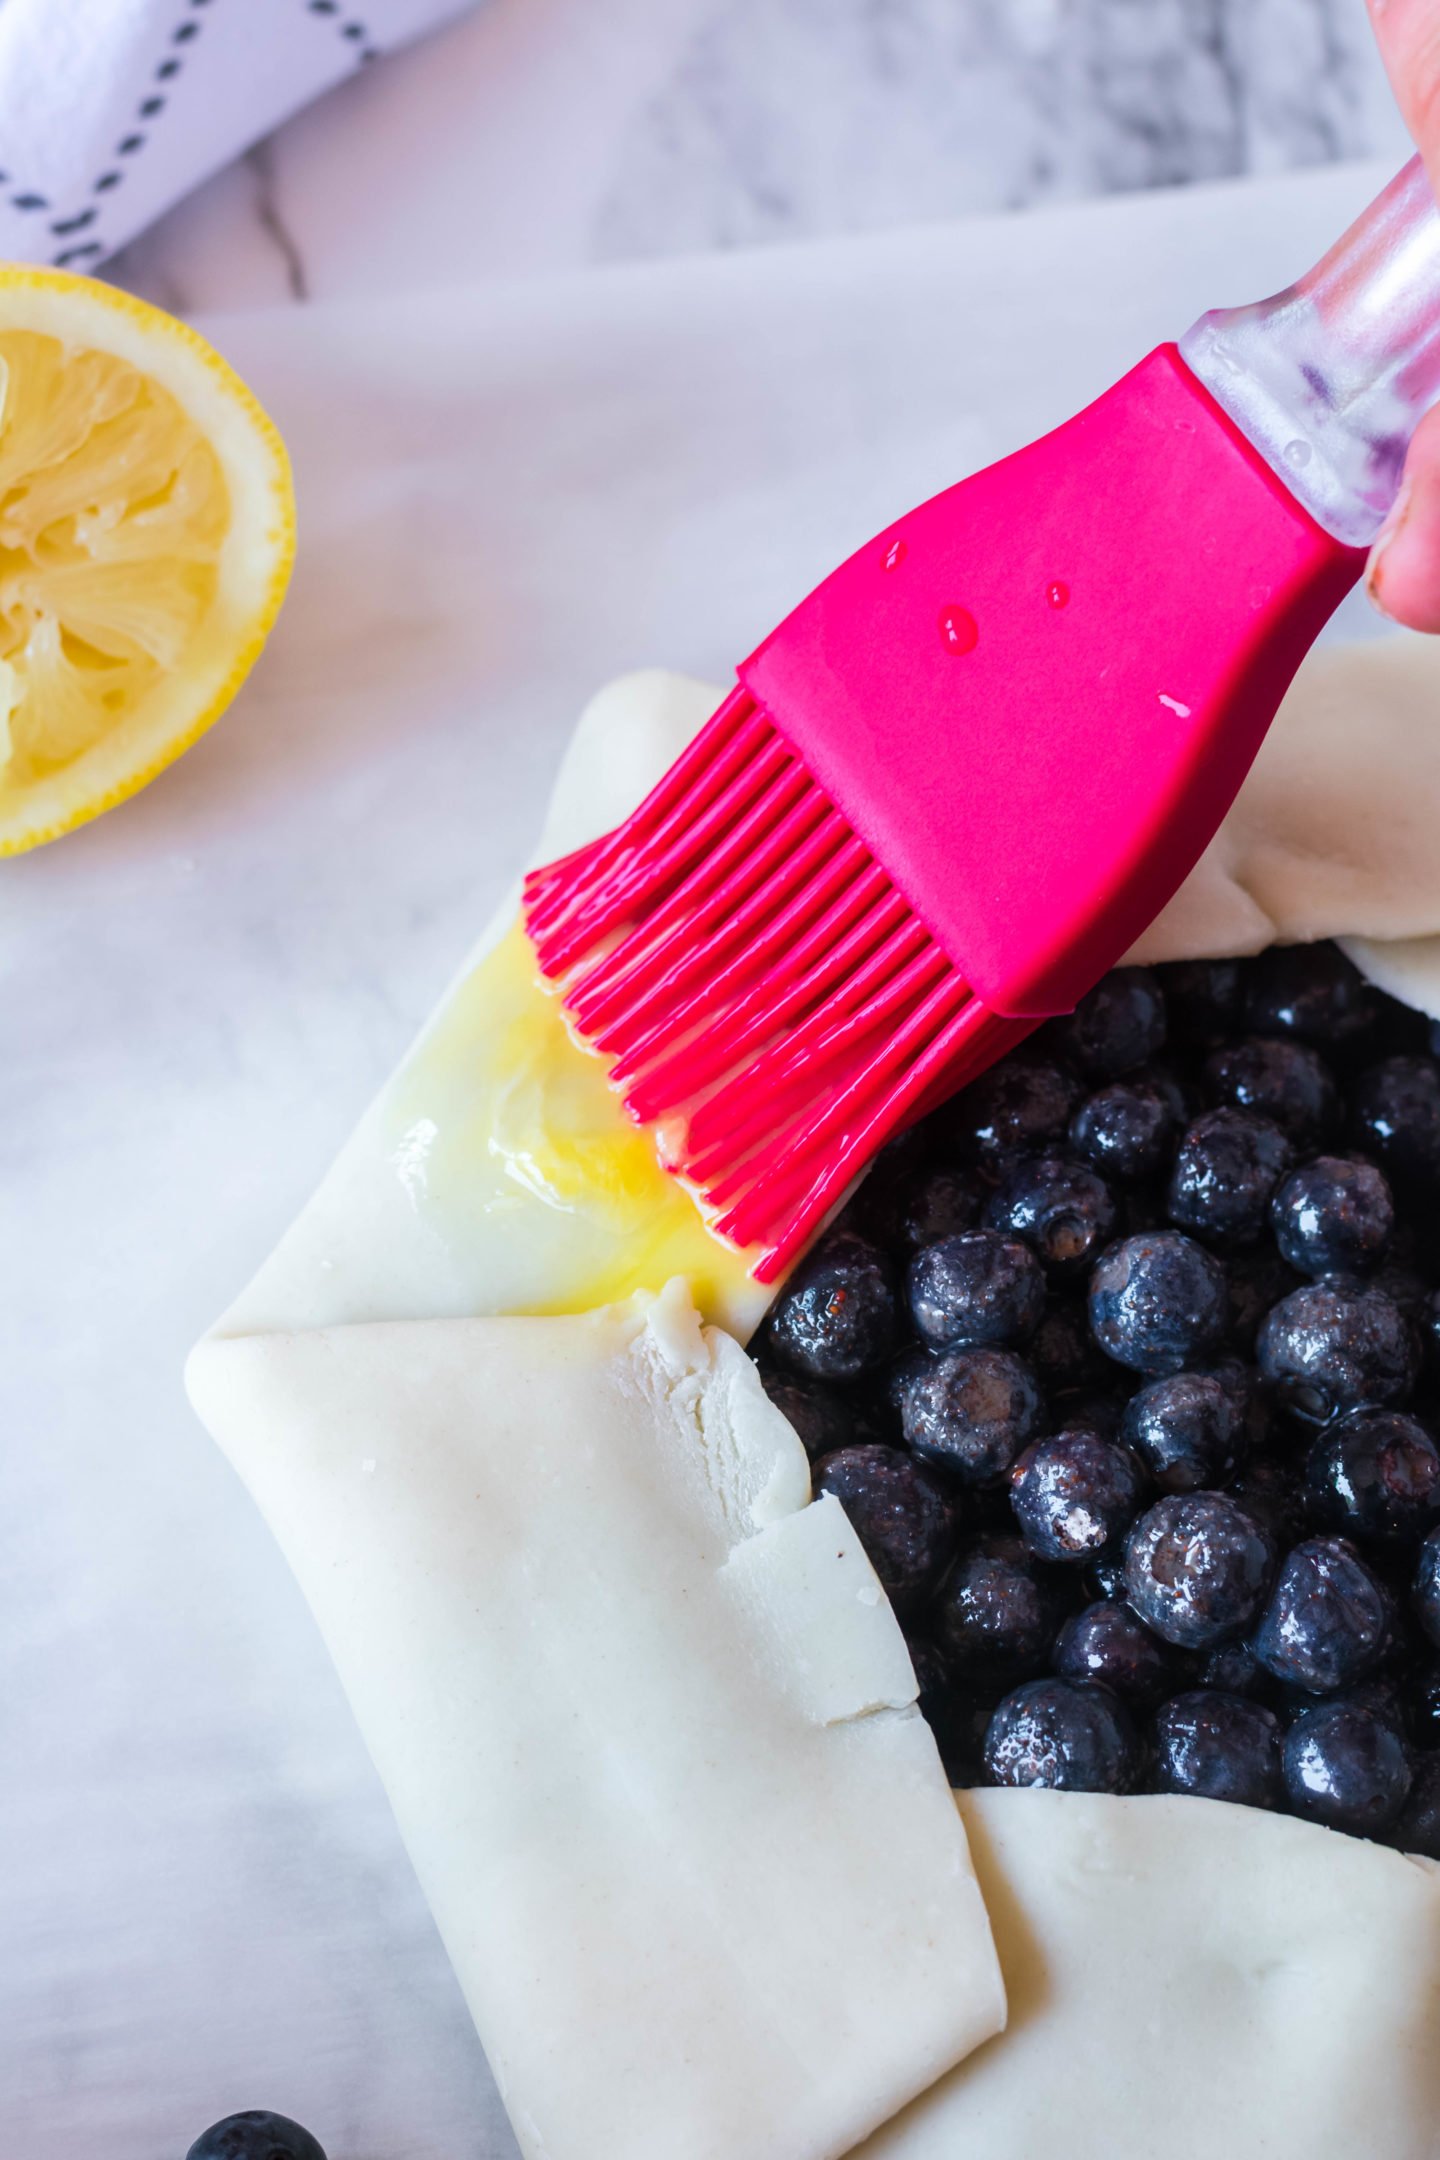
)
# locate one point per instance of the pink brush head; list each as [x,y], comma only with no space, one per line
[947,794]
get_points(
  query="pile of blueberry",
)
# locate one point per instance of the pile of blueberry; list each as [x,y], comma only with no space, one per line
[1125,1365]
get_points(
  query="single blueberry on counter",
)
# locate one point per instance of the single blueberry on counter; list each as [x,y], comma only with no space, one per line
[1062,1209]
[1158,1302]
[971,1412]
[1310,992]
[1347,1768]
[1197,1567]
[1218,1747]
[1065,1735]
[1074,1493]
[1395,1116]
[902,1513]
[996,1613]
[1335,1213]
[835,1318]
[1374,1474]
[1107,1642]
[1327,1621]
[1116,1026]
[255,2134]
[1184,1428]
[1021,1104]
[1226,1169]
[1203,1000]
[1286,1082]
[1426,1593]
[980,1287]
[1127,1130]
[1333,1346]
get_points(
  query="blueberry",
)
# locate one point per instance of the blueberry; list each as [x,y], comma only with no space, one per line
[934,1688]
[1062,1349]
[1285,1081]
[1109,1643]
[1127,1129]
[996,1613]
[1021,1104]
[1218,1747]
[1232,1668]
[1066,1735]
[1374,1474]
[1395,1115]
[1117,1025]
[1257,1280]
[979,1287]
[821,1419]
[971,1412]
[1332,1346]
[1327,1621]
[835,1318]
[1203,1000]
[1157,1302]
[1184,1428]
[1333,1213]
[1418,1827]
[1062,1209]
[1074,1493]
[1426,1594]
[255,2134]
[901,1512]
[1310,992]
[1226,1170]
[1197,1567]
[1347,1768]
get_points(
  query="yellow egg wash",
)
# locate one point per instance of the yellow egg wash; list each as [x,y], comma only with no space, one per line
[500,1113]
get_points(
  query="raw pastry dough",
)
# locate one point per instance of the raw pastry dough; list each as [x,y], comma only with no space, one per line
[645,1717]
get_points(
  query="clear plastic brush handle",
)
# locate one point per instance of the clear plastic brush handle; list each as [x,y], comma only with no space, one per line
[1329,379]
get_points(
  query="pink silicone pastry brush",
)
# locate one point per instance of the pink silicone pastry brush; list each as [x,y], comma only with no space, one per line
[958,781]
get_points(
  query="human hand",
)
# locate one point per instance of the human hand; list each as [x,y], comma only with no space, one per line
[1403,576]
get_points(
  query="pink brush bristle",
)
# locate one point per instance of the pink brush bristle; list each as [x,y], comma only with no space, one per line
[766,999]
[966,773]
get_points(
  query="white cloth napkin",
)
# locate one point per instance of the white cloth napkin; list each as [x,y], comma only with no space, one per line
[110,110]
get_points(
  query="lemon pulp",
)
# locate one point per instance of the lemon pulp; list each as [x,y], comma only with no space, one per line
[501,1114]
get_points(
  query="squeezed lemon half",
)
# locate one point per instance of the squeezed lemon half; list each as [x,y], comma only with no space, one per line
[147,528]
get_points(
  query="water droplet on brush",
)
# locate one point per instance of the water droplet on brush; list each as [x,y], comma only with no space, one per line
[1297,452]
[894,555]
[958,629]
[1059,593]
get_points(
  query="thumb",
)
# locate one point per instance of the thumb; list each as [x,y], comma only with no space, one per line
[1403,576]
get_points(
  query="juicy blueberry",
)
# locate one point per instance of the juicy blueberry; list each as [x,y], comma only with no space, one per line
[1062,1209]
[1395,1112]
[255,2134]
[1184,1429]
[1311,992]
[1218,1747]
[901,1512]
[1285,1081]
[971,1412]
[978,1287]
[835,1318]
[1426,1597]
[996,1613]
[1374,1474]
[1347,1768]
[1327,1621]
[1226,1170]
[1108,1643]
[1334,1213]
[1333,1346]
[1019,1105]
[1067,1735]
[1197,1566]
[1117,1025]
[1157,1302]
[1126,1130]
[1074,1493]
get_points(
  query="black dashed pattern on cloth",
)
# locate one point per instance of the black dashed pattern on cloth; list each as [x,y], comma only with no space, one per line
[150,109]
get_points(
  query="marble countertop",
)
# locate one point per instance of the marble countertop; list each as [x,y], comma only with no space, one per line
[510,489]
